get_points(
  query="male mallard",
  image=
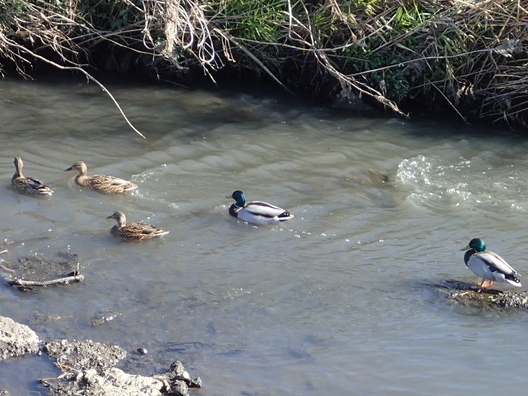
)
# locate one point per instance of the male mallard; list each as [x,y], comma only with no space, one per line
[100,183]
[135,231]
[488,265]
[27,185]
[256,212]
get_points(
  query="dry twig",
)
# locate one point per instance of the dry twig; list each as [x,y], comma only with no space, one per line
[52,282]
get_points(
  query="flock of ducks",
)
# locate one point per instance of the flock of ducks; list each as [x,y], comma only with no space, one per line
[487,265]
[134,231]
[254,212]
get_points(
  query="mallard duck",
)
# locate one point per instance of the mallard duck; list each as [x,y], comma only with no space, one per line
[135,231]
[256,212]
[27,185]
[488,265]
[100,183]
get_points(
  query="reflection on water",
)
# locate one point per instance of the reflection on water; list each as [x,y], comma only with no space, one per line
[333,300]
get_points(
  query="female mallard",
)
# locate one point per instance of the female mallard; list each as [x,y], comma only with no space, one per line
[100,183]
[256,212]
[135,231]
[27,185]
[488,265]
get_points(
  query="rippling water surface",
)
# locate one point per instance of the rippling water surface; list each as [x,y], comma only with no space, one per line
[337,301]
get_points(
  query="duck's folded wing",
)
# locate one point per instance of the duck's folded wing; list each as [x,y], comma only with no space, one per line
[35,183]
[259,208]
[116,181]
[496,262]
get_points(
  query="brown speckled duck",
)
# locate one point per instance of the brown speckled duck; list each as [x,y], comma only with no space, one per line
[100,183]
[27,185]
[135,231]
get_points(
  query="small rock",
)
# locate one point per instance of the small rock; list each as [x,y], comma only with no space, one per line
[177,380]
[178,388]
[142,351]
[196,383]
[177,368]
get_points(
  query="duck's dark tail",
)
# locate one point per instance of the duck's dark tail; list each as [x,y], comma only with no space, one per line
[285,216]
[513,280]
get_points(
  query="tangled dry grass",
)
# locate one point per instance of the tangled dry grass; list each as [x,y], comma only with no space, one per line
[468,56]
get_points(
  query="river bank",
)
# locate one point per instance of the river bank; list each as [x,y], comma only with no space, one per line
[414,58]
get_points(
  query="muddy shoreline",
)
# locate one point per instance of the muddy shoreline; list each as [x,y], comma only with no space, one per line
[89,367]
[86,366]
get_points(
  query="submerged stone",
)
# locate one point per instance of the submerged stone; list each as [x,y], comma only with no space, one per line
[466,294]
[177,380]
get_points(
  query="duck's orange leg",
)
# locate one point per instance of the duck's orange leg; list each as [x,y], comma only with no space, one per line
[485,283]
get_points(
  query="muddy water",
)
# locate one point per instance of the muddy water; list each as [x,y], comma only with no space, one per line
[335,301]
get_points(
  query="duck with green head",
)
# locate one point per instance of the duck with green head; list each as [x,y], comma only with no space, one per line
[256,212]
[488,265]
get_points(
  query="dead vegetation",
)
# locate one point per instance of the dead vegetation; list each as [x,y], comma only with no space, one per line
[465,56]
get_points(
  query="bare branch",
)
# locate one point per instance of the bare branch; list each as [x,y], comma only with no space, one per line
[77,68]
[52,282]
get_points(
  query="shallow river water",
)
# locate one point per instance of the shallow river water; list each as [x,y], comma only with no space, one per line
[337,301]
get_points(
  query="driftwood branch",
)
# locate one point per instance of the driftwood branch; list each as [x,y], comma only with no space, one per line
[52,282]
